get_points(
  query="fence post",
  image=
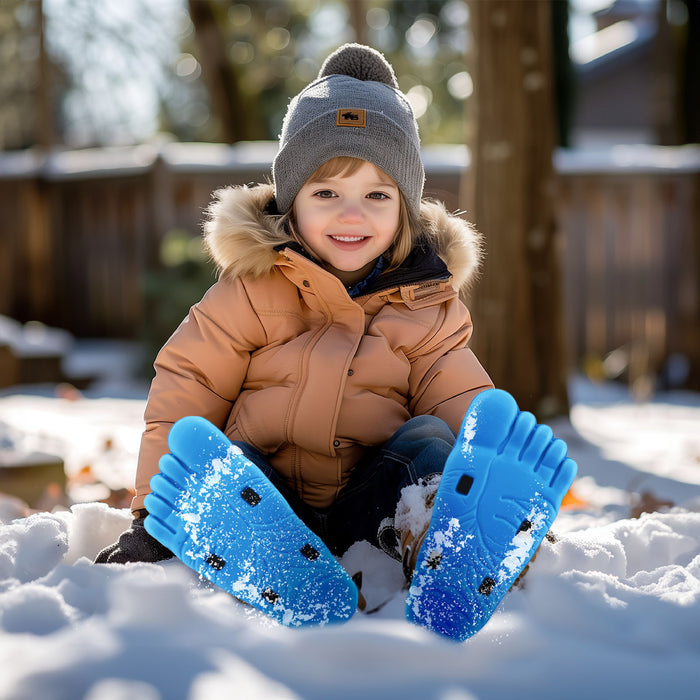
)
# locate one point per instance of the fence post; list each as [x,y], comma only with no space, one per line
[162,208]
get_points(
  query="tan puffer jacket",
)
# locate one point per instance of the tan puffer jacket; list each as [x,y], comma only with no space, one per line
[278,355]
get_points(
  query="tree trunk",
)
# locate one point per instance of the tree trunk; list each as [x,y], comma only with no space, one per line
[238,116]
[358,19]
[509,192]
[45,136]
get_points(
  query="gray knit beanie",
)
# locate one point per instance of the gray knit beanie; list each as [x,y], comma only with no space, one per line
[354,108]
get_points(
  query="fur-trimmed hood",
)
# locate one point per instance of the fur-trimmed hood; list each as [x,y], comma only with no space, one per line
[243,237]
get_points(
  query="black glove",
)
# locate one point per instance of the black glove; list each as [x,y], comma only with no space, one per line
[134,545]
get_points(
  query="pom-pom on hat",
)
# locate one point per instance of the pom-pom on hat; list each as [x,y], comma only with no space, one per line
[353,108]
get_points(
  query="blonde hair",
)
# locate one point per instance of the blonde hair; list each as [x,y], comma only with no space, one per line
[408,229]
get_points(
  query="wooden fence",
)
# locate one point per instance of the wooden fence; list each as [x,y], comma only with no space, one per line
[79,229]
[630,227]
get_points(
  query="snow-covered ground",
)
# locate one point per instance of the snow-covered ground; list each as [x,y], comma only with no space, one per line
[610,610]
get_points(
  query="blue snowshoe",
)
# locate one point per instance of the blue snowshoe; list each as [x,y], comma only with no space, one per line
[500,492]
[222,517]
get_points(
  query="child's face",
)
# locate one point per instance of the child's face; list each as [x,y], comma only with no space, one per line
[348,222]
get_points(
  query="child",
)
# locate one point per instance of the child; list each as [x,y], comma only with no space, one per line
[333,353]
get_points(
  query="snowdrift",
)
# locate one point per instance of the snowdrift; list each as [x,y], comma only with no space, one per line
[610,609]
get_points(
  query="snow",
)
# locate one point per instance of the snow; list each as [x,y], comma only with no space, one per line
[609,609]
[520,547]
[414,509]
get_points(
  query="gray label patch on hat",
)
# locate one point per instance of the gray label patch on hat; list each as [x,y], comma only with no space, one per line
[351,117]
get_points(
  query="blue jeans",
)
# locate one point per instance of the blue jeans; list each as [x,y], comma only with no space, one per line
[417,450]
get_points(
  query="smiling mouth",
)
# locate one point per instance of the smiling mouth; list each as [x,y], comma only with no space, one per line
[348,239]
